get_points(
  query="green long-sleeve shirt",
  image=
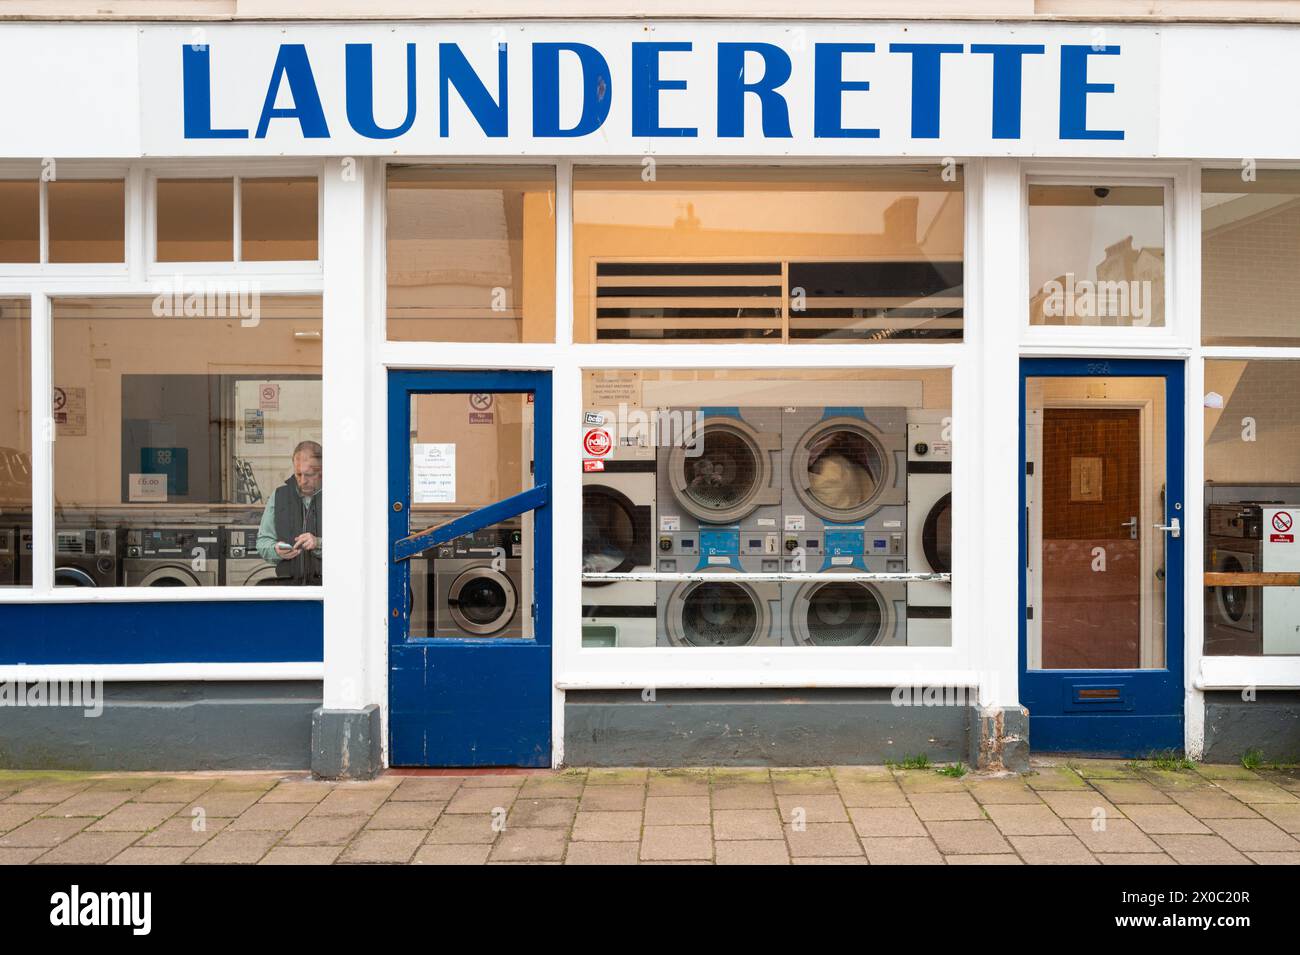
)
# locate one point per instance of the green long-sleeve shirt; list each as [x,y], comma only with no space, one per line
[266,539]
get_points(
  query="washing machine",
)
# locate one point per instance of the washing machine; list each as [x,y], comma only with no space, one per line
[476,586]
[618,537]
[1233,618]
[929,532]
[171,557]
[849,613]
[83,557]
[724,613]
[719,467]
[846,476]
[240,564]
[8,556]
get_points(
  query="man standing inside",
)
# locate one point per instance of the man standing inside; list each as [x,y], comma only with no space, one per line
[289,535]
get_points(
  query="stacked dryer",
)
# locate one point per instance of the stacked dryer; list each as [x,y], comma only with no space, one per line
[719,503]
[845,510]
[929,529]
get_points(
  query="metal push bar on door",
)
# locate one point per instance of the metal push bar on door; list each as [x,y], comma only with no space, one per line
[494,513]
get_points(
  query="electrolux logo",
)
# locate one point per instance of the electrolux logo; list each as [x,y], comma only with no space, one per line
[77,908]
[834,90]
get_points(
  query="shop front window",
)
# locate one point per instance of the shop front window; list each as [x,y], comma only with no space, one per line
[1096,255]
[15,436]
[1252,498]
[471,253]
[278,219]
[792,508]
[20,221]
[731,254]
[1250,257]
[187,447]
[84,221]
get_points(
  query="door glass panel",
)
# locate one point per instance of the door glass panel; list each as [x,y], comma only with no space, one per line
[1097,255]
[1095,500]
[469,451]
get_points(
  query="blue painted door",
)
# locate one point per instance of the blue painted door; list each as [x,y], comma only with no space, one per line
[469,551]
[1101,554]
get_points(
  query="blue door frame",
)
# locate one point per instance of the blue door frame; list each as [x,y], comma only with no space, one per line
[468,701]
[1113,712]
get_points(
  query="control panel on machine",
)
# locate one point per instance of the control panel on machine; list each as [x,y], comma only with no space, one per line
[171,542]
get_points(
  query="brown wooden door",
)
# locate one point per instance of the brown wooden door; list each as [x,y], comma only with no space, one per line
[1092,561]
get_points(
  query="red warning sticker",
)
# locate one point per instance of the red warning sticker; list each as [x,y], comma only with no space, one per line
[597,442]
[596,465]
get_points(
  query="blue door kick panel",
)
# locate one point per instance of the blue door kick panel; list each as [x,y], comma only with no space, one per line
[1128,713]
[468,701]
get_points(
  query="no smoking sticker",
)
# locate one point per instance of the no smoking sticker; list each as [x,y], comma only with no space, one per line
[1282,521]
[597,442]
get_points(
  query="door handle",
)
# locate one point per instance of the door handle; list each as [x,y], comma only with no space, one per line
[1132,525]
[1173,528]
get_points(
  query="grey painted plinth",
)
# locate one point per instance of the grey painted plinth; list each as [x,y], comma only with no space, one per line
[346,744]
[1263,720]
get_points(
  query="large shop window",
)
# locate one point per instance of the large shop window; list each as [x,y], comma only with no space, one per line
[700,478]
[730,254]
[471,253]
[84,221]
[1250,257]
[1252,497]
[278,220]
[15,432]
[187,447]
[1097,255]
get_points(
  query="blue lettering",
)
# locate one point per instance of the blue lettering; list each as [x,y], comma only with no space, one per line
[291,64]
[1075,89]
[360,82]
[1007,83]
[828,88]
[773,108]
[925,84]
[454,70]
[646,86]
[596,89]
[196,84]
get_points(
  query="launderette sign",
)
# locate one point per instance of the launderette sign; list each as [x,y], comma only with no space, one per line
[740,88]
[668,88]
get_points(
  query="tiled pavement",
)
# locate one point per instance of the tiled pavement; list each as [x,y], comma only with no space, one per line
[1076,811]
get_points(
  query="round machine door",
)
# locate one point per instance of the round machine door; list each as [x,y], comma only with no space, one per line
[169,576]
[73,577]
[264,576]
[482,601]
[612,535]
[716,613]
[729,477]
[832,613]
[1234,602]
[936,536]
[839,468]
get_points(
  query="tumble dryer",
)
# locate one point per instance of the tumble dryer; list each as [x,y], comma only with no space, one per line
[171,557]
[719,467]
[83,557]
[618,537]
[721,613]
[477,586]
[240,564]
[849,613]
[929,531]
[845,480]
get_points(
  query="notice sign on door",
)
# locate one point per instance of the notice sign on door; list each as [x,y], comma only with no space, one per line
[1282,523]
[433,473]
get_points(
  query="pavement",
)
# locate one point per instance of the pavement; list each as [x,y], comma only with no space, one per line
[1064,812]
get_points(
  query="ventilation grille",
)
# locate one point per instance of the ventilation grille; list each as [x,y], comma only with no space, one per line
[778,301]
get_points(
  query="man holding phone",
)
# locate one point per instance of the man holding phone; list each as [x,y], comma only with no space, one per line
[289,535]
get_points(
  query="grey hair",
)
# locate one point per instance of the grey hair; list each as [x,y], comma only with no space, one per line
[308,447]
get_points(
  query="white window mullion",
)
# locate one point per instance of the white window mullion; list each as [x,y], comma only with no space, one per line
[43,434]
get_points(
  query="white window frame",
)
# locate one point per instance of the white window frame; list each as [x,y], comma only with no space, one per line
[43,283]
[1231,672]
[576,667]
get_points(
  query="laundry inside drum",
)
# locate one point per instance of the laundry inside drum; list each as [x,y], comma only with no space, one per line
[725,473]
[843,615]
[719,615]
[845,469]
[608,534]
